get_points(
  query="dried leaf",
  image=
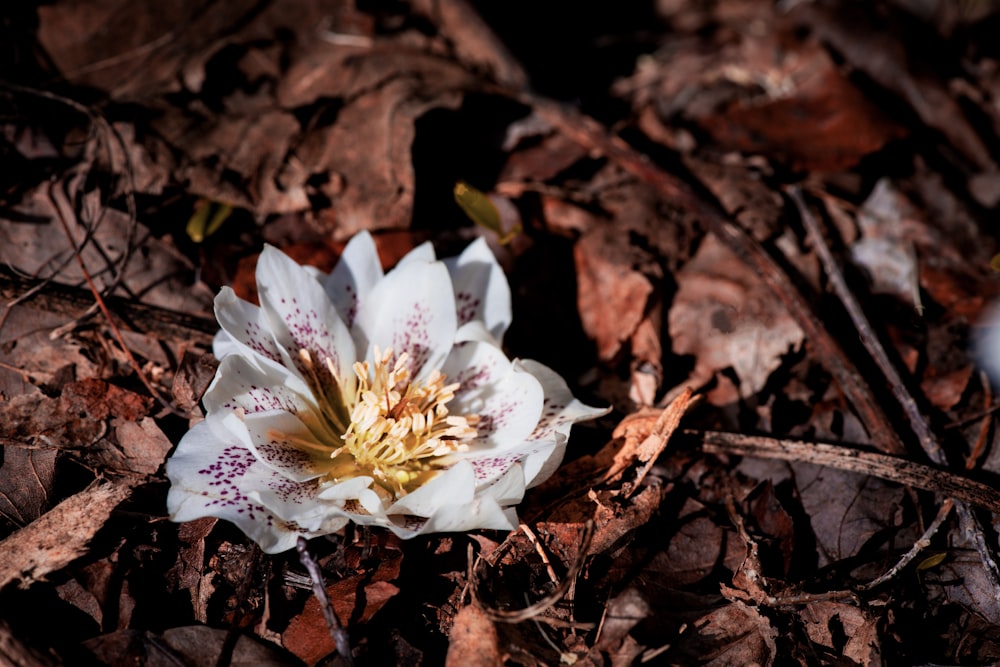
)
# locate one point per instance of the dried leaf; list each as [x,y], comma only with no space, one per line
[473,641]
[60,535]
[355,600]
[611,296]
[190,645]
[845,630]
[726,318]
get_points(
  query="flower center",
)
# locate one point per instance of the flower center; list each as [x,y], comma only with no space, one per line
[399,429]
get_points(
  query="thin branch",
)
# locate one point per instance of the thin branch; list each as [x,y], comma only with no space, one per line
[889,468]
[337,631]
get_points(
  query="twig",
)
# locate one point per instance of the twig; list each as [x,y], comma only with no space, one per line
[337,631]
[921,427]
[918,546]
[136,316]
[545,603]
[111,322]
[919,424]
[885,467]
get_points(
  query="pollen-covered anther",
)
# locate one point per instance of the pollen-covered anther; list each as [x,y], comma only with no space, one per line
[398,426]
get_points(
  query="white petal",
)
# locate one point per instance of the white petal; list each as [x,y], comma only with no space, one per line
[246,328]
[474,364]
[277,439]
[301,316]
[560,410]
[241,384]
[412,310]
[209,477]
[450,504]
[490,465]
[422,254]
[481,289]
[357,272]
[509,402]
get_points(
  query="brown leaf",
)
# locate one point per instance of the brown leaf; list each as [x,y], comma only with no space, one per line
[355,600]
[646,450]
[26,483]
[736,634]
[473,641]
[726,318]
[845,509]
[187,645]
[144,445]
[848,632]
[59,536]
[623,613]
[824,123]
[611,296]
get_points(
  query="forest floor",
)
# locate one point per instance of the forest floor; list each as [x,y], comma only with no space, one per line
[789,208]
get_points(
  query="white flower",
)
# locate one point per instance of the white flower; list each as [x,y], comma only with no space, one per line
[382,399]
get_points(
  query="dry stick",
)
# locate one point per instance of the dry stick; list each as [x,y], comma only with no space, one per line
[589,134]
[921,427]
[535,610]
[918,546]
[882,466]
[337,631]
[928,441]
[111,322]
[136,316]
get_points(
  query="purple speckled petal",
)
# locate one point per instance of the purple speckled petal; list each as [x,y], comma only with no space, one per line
[560,410]
[301,316]
[357,272]
[242,384]
[212,477]
[481,289]
[276,438]
[246,328]
[413,311]
[490,465]
[474,364]
[507,399]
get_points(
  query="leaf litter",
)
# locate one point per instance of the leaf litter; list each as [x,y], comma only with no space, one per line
[665,260]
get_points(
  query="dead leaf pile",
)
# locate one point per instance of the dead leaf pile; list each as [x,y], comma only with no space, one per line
[763,232]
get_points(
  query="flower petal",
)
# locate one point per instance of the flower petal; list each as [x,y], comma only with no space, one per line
[412,310]
[302,318]
[560,410]
[450,504]
[210,477]
[280,440]
[507,399]
[245,326]
[422,254]
[481,289]
[357,272]
[242,384]
[490,465]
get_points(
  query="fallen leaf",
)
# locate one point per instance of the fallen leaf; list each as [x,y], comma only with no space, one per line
[473,641]
[844,630]
[60,535]
[726,318]
[26,478]
[611,296]
[187,645]
[735,634]
[355,600]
